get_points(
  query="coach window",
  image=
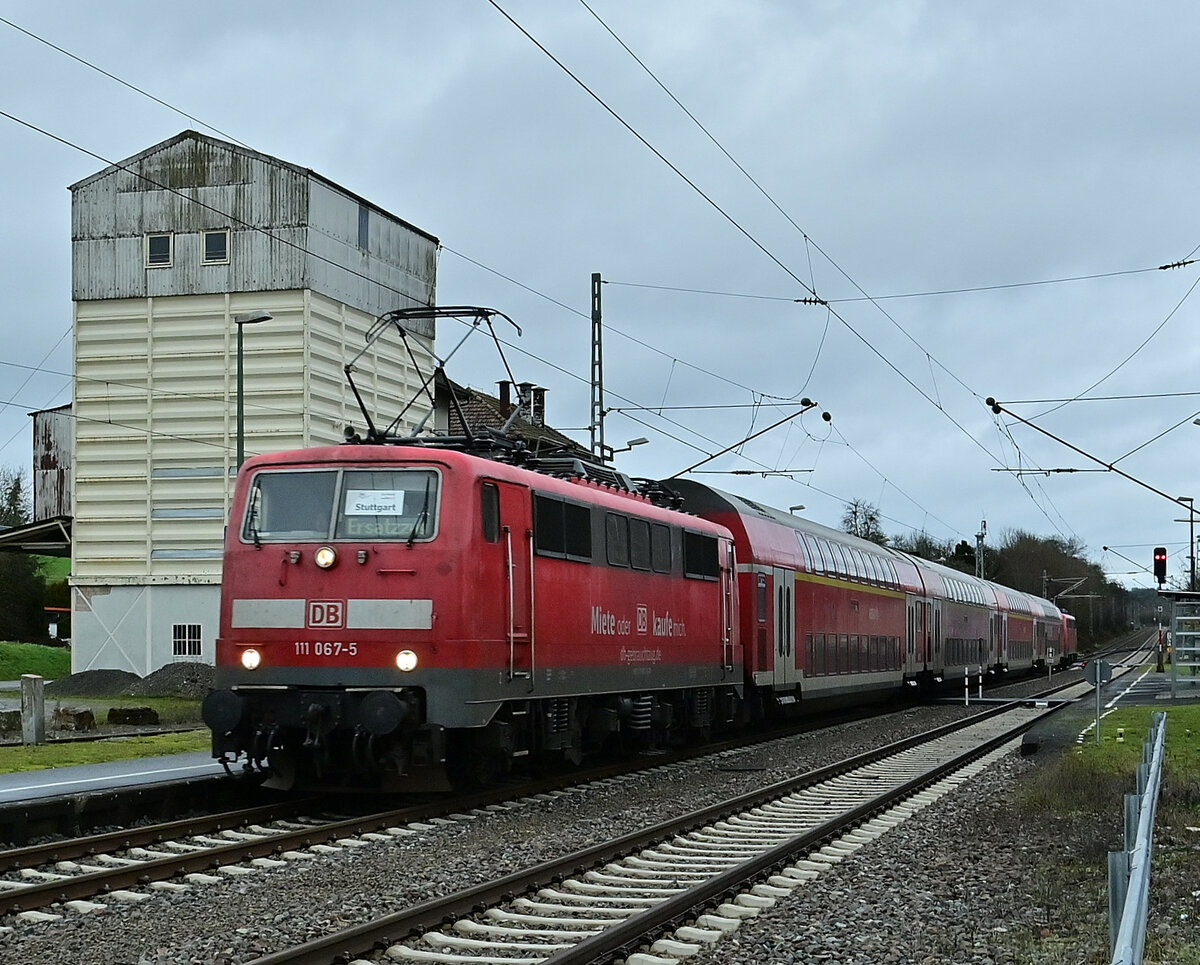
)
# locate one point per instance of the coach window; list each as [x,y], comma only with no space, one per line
[761,597]
[490,512]
[827,560]
[639,543]
[660,548]
[616,539]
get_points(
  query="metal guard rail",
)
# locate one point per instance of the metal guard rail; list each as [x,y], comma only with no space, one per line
[1129,870]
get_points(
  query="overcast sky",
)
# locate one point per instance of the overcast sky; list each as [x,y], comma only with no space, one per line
[982,192]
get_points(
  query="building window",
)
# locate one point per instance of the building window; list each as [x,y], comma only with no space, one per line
[216,247]
[159,249]
[364,226]
[185,640]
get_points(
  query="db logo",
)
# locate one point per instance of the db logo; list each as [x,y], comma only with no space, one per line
[643,620]
[326,613]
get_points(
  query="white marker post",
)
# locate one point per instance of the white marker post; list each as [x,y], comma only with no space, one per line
[33,709]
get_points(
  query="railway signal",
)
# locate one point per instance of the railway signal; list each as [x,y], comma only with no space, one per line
[1160,564]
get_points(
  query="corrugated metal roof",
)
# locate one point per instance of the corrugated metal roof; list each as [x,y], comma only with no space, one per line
[131,164]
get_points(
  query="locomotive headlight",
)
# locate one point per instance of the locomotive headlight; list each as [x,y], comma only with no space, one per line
[406,660]
[325,557]
[251,658]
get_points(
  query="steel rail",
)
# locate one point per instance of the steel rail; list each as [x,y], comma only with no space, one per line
[350,943]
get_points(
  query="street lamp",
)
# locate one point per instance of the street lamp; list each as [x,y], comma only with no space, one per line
[629,444]
[241,321]
[795,509]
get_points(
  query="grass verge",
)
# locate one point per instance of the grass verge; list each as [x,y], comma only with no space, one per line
[19,758]
[16,659]
[1076,802]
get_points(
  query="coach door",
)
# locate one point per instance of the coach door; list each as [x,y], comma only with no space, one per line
[785,627]
[918,635]
[999,641]
[516,585]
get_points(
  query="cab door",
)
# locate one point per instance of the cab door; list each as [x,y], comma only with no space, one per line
[508,546]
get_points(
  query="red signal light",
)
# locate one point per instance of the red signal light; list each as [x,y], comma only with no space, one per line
[1160,564]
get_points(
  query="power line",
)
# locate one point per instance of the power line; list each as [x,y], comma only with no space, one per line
[123,83]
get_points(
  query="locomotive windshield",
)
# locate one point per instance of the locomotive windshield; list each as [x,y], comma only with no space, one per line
[350,504]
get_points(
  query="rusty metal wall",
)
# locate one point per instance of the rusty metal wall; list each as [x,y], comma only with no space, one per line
[52,460]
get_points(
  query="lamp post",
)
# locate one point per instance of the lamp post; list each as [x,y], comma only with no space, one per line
[796,508]
[609,451]
[241,321]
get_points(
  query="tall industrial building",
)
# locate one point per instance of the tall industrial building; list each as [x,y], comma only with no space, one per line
[169,249]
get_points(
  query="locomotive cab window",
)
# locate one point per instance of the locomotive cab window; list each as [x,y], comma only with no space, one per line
[490,512]
[388,504]
[357,504]
[290,506]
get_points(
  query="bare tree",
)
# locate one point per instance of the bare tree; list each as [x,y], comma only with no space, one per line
[862,519]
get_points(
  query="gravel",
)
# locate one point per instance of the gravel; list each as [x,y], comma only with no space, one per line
[969,879]
[190,680]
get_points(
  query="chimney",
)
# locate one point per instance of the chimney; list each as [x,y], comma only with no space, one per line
[525,400]
[539,406]
[505,396]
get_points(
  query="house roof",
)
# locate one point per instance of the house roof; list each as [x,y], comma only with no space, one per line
[482,410]
[47,537]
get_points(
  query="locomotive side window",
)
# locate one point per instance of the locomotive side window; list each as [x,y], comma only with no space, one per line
[660,548]
[700,556]
[290,506]
[549,536]
[616,539]
[561,528]
[577,521]
[388,504]
[490,512]
[639,544]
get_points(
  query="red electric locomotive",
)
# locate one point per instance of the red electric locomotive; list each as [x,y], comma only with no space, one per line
[391,613]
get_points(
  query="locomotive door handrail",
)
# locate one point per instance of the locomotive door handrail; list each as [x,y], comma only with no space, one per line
[510,570]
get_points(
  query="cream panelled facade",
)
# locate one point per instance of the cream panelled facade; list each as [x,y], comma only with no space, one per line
[155,434]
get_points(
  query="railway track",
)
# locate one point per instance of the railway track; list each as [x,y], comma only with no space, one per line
[662,891]
[124,865]
[130,864]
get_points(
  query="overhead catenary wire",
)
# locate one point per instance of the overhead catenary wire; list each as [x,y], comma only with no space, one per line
[756,403]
